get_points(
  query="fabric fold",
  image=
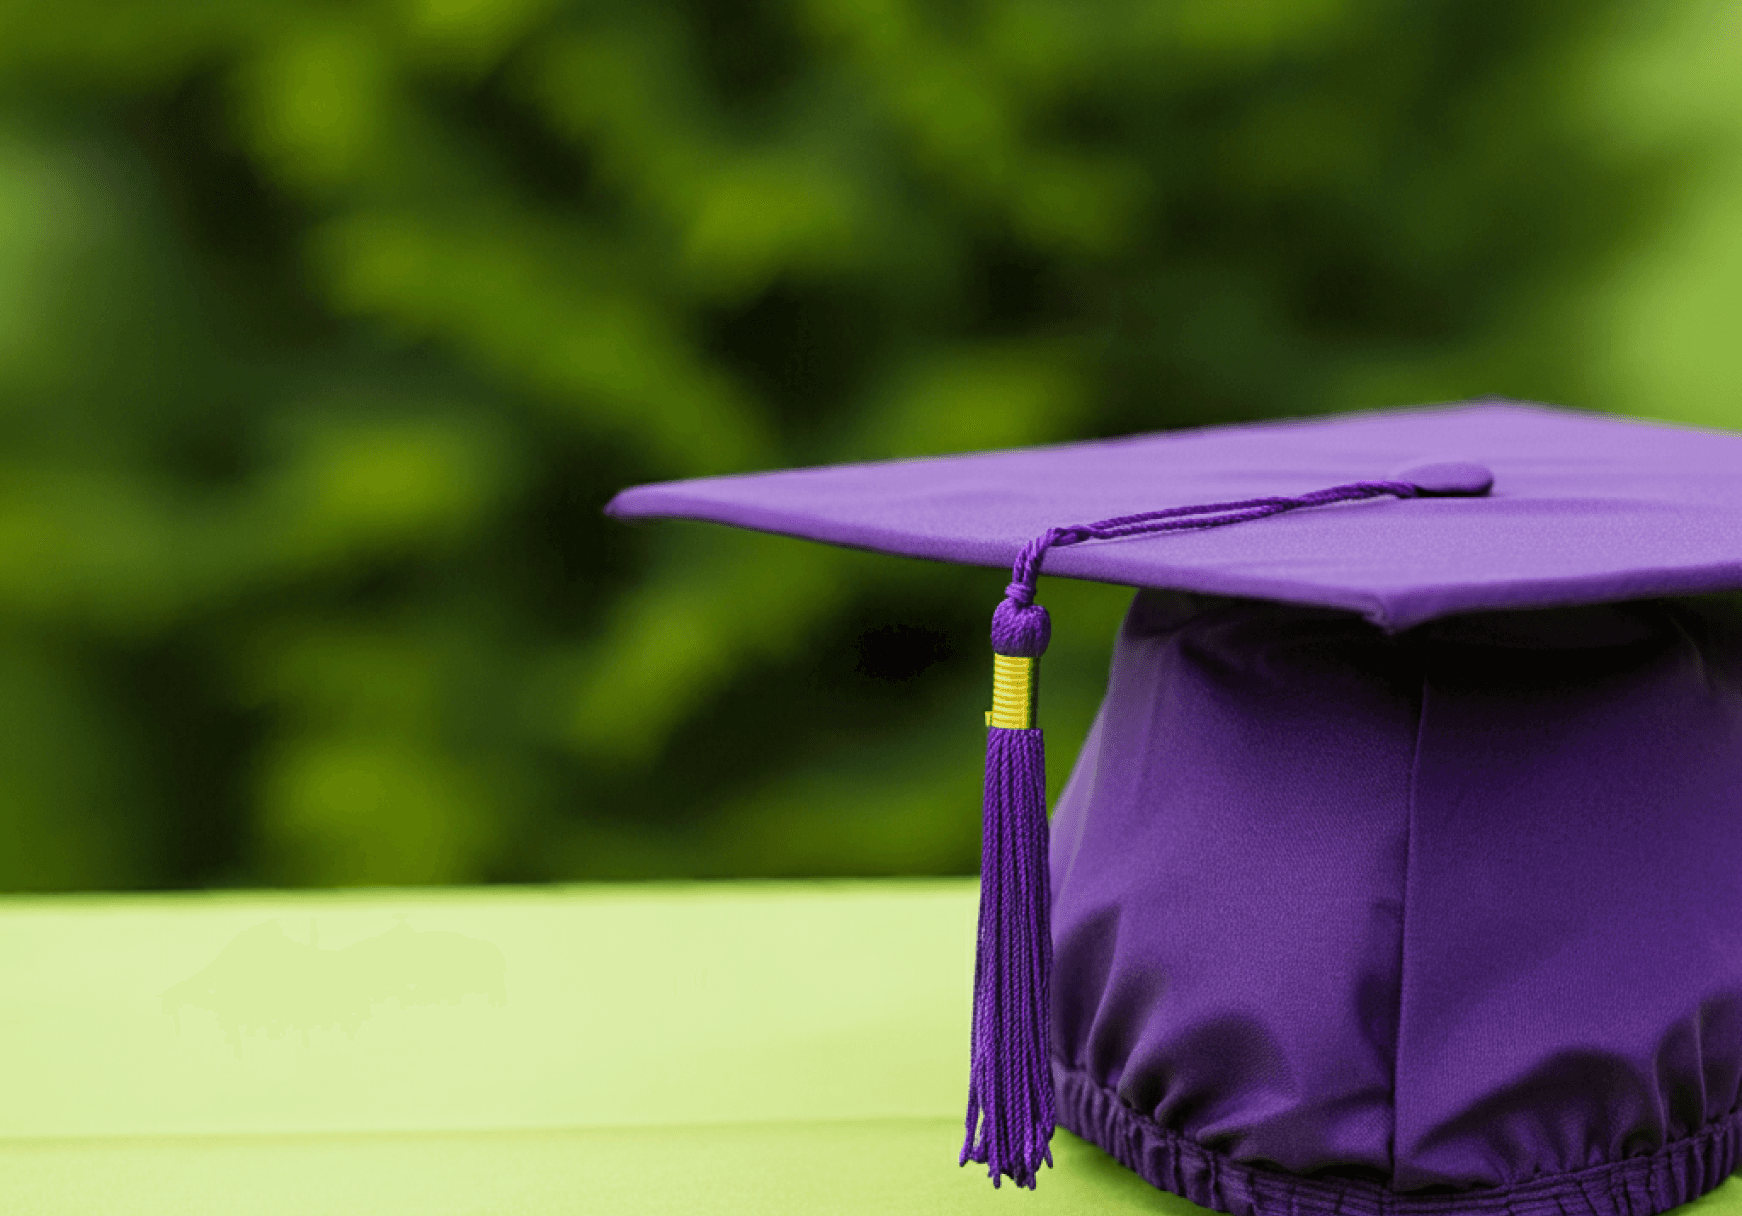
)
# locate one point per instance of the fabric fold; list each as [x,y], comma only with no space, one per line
[1676,1174]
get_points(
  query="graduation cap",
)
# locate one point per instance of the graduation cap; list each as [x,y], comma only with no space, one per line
[1401,872]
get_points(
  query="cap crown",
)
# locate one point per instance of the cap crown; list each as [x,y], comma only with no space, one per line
[1448,910]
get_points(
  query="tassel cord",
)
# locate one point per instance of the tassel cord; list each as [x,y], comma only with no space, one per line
[1180,519]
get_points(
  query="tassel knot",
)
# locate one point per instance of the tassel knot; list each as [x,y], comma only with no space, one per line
[1021,630]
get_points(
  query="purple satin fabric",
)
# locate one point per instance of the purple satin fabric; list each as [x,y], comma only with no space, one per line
[1446,920]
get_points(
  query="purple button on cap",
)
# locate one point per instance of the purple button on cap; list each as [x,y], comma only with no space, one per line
[1447,478]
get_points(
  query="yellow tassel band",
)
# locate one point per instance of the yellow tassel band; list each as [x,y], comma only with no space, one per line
[1015,683]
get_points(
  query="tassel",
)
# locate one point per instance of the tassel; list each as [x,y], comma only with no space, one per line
[1010,1095]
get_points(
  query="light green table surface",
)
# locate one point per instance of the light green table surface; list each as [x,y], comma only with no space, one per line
[735,1048]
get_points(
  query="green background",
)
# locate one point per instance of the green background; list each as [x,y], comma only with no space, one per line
[326,330]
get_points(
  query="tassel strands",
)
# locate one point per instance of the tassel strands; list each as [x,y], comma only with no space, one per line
[1010,1096]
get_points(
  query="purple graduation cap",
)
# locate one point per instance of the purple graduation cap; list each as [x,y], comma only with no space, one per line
[1401,873]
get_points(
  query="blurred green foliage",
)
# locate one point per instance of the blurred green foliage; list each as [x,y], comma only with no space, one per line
[327,329]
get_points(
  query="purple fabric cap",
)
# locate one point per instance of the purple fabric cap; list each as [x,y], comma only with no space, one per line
[1448,922]
[1432,913]
[1584,508]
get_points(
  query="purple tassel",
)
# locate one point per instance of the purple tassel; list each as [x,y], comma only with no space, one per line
[1010,1096]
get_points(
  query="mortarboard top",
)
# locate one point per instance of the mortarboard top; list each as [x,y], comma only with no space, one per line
[1370,894]
[1584,509]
